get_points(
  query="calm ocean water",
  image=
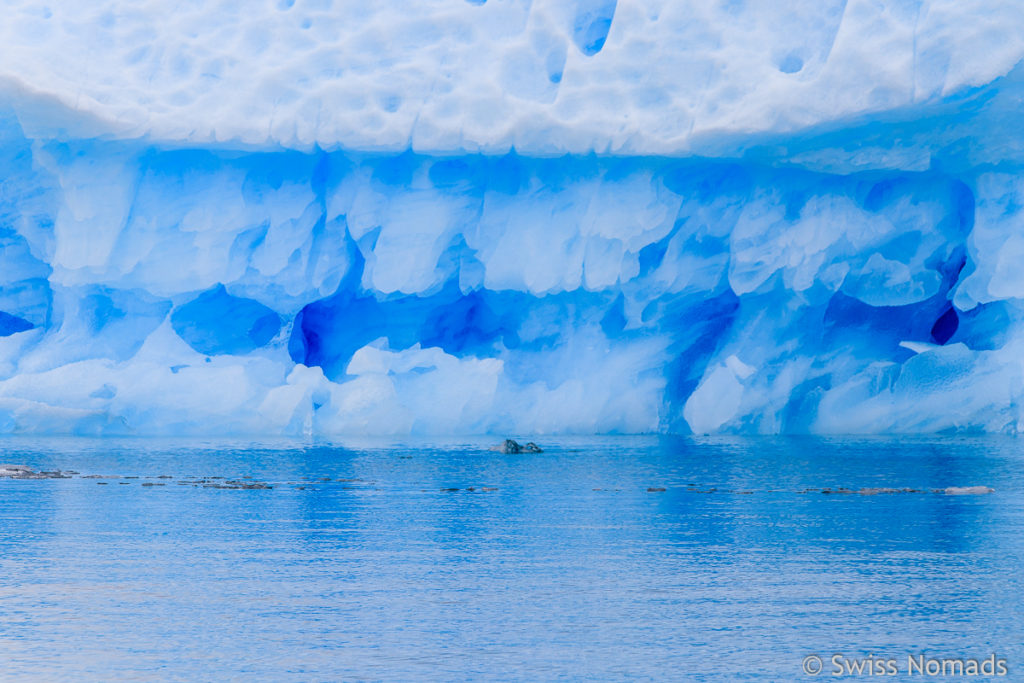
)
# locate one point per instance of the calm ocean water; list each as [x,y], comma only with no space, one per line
[570,568]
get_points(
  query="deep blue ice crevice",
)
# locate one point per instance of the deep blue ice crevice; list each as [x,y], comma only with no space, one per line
[12,324]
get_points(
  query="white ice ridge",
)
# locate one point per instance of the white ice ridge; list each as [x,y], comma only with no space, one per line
[660,77]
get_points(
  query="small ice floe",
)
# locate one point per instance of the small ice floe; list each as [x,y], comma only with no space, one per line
[513,446]
[238,485]
[26,472]
[874,491]
[966,490]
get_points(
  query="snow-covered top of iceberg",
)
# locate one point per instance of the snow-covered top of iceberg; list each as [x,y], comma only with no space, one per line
[542,76]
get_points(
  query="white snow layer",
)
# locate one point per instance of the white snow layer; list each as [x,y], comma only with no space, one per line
[542,76]
[316,217]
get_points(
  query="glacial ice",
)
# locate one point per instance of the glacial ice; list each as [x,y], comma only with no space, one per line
[573,216]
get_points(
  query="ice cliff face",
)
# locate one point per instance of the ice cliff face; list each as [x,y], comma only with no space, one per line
[577,216]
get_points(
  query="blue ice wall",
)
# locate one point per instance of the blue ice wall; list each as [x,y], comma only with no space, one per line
[780,287]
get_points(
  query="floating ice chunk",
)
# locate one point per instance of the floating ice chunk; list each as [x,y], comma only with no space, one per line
[967,490]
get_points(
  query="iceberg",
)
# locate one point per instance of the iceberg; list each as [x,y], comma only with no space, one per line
[590,216]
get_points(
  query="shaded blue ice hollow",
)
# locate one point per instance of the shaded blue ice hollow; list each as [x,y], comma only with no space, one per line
[12,324]
[592,23]
[480,323]
[216,322]
[791,64]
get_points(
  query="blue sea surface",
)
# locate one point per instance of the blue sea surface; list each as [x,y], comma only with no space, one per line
[567,564]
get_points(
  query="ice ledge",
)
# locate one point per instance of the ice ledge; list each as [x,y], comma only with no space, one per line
[977,129]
